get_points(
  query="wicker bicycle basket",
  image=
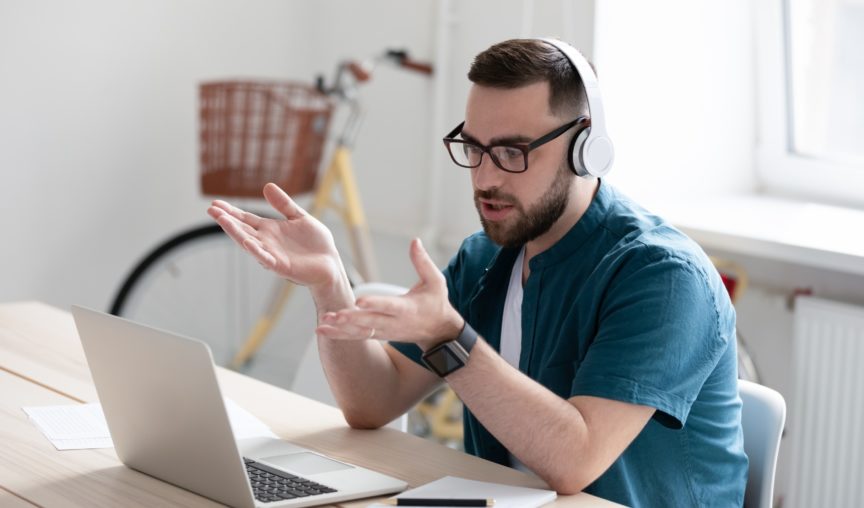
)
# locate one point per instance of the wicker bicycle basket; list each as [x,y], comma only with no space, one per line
[258,132]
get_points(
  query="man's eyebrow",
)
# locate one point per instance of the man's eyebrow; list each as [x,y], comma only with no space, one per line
[501,140]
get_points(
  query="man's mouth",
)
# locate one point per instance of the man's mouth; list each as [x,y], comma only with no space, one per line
[495,210]
[497,206]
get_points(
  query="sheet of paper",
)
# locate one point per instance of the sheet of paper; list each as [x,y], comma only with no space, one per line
[82,426]
[505,496]
[75,427]
[245,424]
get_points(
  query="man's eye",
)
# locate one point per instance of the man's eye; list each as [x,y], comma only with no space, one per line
[507,152]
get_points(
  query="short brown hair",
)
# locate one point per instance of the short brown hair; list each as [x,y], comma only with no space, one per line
[521,62]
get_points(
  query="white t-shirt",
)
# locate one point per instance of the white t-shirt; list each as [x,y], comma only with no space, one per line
[511,331]
[511,322]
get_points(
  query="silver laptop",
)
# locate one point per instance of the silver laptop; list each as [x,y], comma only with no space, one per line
[168,419]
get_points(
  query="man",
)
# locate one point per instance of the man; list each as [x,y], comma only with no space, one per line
[604,357]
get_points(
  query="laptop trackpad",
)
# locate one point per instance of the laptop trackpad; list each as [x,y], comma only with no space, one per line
[305,463]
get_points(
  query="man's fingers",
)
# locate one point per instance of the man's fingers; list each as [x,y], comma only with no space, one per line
[282,202]
[216,212]
[423,264]
[241,215]
[390,305]
[265,258]
[233,228]
[357,323]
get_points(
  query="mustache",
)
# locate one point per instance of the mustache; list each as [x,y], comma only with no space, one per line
[496,195]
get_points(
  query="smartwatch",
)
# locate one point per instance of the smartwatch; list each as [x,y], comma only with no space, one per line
[450,356]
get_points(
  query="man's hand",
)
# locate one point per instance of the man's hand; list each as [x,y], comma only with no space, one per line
[299,248]
[423,315]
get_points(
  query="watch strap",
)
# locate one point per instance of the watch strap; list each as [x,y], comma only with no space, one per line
[467,337]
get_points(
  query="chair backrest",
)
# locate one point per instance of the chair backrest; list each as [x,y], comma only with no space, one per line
[763,415]
[310,380]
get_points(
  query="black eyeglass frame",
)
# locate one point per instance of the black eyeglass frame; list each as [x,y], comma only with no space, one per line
[525,148]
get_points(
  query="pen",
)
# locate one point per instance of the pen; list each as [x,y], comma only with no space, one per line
[406,501]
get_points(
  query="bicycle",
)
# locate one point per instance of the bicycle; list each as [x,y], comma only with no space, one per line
[180,282]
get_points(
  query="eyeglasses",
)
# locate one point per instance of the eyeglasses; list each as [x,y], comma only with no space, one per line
[511,157]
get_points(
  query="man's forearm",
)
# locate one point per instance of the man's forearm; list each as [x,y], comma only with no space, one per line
[362,378]
[546,432]
[358,372]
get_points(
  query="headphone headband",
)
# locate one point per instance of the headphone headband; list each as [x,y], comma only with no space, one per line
[595,155]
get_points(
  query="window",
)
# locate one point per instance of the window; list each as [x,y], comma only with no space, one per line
[826,78]
[809,76]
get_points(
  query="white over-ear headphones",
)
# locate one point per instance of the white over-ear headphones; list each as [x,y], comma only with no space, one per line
[591,152]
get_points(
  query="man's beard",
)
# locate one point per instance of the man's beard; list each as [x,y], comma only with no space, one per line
[533,223]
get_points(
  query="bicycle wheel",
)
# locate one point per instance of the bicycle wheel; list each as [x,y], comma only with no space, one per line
[199,283]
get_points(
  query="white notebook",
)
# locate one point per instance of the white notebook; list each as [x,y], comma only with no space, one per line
[505,496]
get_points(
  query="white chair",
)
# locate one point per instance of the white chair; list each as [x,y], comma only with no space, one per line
[310,380]
[763,415]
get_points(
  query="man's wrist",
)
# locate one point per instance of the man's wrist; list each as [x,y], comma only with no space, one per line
[451,331]
[332,295]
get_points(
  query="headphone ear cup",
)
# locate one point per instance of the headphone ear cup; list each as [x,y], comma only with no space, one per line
[577,146]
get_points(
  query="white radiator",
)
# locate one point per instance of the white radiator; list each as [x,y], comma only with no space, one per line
[826,427]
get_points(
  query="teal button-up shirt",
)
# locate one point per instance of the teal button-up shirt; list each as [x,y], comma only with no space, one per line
[623,307]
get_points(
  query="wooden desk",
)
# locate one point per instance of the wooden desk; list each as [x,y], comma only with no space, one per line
[42,363]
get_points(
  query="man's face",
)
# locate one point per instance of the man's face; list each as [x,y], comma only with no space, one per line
[516,208]
[524,225]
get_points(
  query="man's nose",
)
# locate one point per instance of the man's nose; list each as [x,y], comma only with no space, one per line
[487,175]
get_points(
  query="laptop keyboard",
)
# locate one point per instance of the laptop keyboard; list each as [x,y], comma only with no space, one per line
[270,485]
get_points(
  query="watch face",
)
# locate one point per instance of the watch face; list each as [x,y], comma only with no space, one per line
[444,360]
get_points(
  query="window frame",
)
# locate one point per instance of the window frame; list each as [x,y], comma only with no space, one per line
[779,170]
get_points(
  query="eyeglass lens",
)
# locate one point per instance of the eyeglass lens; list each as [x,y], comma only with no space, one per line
[469,155]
